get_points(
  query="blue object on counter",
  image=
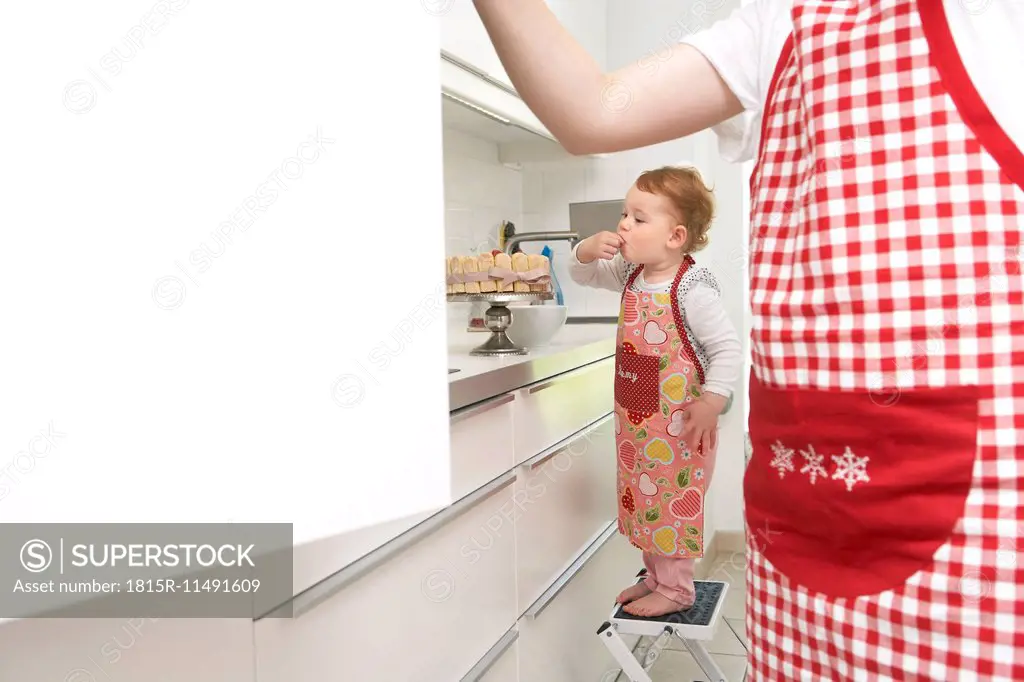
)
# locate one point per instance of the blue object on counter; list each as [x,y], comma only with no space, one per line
[547,253]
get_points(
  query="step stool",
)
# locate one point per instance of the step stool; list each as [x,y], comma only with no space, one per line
[693,626]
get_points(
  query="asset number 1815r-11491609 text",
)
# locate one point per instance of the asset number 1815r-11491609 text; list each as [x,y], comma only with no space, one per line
[194,585]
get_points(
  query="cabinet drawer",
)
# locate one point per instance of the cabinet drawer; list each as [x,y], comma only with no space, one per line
[550,410]
[564,499]
[567,625]
[429,613]
[481,443]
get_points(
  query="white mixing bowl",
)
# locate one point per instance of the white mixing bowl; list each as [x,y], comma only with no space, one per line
[535,325]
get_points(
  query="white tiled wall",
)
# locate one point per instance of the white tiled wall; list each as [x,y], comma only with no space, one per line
[480,193]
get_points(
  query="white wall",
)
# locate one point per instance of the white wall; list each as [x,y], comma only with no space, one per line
[588,25]
[479,193]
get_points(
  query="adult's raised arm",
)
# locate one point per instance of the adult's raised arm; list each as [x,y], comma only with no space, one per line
[592,112]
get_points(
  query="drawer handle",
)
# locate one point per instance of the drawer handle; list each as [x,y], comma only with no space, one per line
[546,458]
[565,444]
[589,367]
[477,672]
[313,596]
[556,587]
[480,408]
[538,389]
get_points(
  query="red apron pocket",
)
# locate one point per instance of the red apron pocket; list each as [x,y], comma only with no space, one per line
[636,383]
[847,497]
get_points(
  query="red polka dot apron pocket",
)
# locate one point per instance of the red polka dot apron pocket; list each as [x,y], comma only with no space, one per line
[636,383]
[849,495]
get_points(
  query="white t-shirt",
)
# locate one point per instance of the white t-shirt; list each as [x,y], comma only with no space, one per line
[704,314]
[988,35]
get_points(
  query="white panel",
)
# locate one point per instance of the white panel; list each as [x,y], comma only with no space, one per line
[564,503]
[191,263]
[482,444]
[550,410]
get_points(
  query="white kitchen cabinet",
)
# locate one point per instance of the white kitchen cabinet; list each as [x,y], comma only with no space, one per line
[492,100]
[431,612]
[564,500]
[481,443]
[268,143]
[473,75]
[561,644]
[463,34]
[550,410]
[446,598]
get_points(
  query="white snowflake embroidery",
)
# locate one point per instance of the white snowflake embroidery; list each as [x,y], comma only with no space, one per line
[783,460]
[850,469]
[813,467]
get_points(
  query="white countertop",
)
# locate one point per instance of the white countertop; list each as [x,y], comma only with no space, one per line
[570,337]
[483,377]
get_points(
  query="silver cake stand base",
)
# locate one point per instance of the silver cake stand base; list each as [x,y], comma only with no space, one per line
[498,317]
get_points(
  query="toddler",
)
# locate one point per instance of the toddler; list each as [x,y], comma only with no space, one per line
[677,359]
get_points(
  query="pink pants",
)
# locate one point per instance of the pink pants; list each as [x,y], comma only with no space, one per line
[671,578]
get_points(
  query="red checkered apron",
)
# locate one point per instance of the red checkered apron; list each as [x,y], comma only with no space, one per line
[883,497]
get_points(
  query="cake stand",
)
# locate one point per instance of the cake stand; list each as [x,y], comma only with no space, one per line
[498,318]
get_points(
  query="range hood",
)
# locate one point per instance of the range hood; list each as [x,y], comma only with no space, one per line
[587,218]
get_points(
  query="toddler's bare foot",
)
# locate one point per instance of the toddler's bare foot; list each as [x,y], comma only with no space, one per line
[632,593]
[653,605]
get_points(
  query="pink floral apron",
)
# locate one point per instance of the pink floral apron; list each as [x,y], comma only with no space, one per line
[883,496]
[661,484]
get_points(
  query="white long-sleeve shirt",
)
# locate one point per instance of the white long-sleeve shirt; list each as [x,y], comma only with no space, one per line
[708,327]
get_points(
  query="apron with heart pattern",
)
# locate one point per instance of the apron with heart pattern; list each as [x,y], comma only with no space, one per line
[661,484]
